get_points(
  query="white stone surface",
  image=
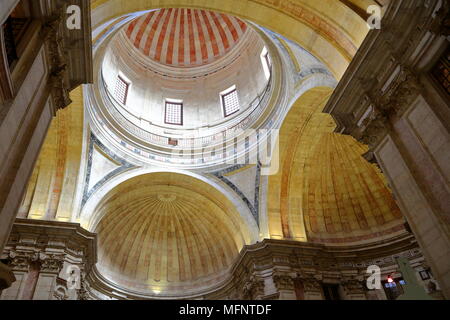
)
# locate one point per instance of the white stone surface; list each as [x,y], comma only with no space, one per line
[101,166]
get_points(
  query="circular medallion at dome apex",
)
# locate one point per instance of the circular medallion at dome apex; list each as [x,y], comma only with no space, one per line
[181,37]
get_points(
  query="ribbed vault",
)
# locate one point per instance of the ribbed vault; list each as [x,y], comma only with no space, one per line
[325,190]
[184,37]
[345,198]
[167,234]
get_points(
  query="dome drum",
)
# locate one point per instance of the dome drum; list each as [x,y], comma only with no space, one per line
[138,124]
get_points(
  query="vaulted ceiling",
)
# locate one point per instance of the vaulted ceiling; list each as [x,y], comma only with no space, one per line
[325,191]
[332,30]
[167,233]
[163,233]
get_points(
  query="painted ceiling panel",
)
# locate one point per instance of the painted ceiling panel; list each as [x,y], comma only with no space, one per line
[185,37]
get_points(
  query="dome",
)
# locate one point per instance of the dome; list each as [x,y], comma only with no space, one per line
[176,85]
[326,191]
[167,234]
[181,37]
[345,197]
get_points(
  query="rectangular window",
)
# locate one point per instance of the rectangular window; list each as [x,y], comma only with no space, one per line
[230,102]
[121,90]
[173,142]
[174,113]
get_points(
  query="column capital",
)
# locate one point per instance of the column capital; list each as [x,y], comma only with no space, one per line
[20,260]
[254,288]
[283,281]
[311,284]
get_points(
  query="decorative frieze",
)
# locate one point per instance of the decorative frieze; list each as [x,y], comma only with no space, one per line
[353,287]
[283,281]
[311,285]
[287,263]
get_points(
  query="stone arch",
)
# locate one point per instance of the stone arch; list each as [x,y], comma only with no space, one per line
[88,219]
[197,230]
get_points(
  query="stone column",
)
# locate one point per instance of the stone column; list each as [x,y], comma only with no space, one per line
[55,61]
[407,158]
[40,272]
[50,267]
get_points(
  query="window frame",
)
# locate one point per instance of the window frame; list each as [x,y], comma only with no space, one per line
[127,88]
[225,94]
[179,103]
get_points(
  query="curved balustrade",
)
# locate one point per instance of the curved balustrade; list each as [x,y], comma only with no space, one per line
[196,138]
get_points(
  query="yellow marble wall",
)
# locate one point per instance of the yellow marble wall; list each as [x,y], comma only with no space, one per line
[51,189]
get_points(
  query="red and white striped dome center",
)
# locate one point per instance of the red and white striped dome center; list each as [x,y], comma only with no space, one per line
[185,37]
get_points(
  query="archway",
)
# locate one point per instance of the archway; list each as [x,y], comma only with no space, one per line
[325,190]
